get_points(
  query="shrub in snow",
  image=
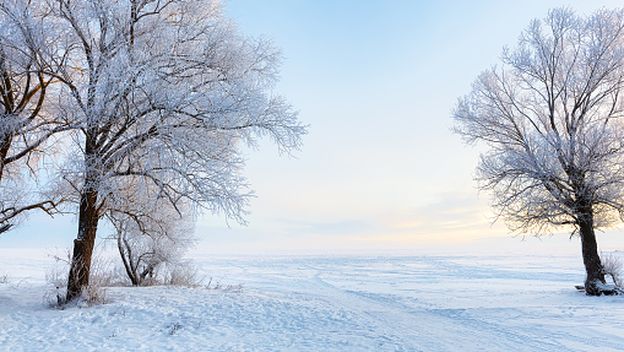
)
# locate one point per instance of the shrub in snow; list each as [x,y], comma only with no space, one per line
[94,293]
[183,273]
[613,266]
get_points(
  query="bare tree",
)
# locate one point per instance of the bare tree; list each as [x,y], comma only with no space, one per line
[165,93]
[551,118]
[26,124]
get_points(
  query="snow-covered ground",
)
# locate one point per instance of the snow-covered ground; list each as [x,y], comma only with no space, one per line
[423,303]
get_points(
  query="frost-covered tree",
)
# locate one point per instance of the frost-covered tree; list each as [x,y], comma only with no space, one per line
[165,93]
[26,124]
[148,247]
[151,234]
[552,120]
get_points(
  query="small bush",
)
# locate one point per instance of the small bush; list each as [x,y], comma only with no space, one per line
[182,274]
[100,277]
[93,295]
[613,266]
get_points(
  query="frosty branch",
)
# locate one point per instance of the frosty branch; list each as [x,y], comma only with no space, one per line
[26,122]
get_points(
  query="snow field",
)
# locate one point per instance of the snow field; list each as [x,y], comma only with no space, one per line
[425,303]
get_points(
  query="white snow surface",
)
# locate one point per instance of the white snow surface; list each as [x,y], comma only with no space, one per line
[421,303]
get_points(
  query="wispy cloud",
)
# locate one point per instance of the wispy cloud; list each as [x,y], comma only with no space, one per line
[451,213]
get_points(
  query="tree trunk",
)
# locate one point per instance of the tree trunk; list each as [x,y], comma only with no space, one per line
[83,245]
[4,151]
[125,251]
[591,259]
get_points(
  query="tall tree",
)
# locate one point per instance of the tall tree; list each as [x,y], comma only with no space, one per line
[165,93]
[26,124]
[552,120]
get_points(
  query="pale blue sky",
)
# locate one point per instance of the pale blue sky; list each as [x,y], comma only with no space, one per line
[376,80]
